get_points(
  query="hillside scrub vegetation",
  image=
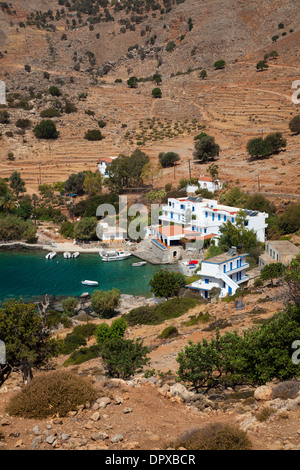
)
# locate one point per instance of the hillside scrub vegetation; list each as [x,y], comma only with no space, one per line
[58,393]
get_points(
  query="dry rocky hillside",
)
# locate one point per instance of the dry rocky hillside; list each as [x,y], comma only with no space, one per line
[234,104]
[150,413]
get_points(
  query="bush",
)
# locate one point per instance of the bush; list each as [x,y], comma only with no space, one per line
[154,315]
[294,124]
[166,284]
[169,332]
[116,330]
[82,355]
[105,303]
[15,228]
[219,64]
[93,134]
[57,392]
[50,113]
[46,130]
[156,93]
[23,123]
[123,358]
[260,148]
[286,390]
[85,331]
[72,342]
[265,414]
[54,91]
[69,305]
[54,318]
[242,359]
[67,229]
[215,436]
[170,46]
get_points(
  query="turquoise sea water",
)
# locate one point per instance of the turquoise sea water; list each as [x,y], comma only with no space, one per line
[29,274]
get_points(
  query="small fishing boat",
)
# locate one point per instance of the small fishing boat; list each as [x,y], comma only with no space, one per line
[67,255]
[115,255]
[50,255]
[75,255]
[140,263]
[89,283]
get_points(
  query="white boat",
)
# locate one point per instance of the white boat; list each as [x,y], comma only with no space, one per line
[50,255]
[75,255]
[67,254]
[140,263]
[89,283]
[115,255]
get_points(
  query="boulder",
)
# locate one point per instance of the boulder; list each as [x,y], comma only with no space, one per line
[263,393]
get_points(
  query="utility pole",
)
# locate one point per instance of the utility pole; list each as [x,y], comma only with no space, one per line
[189,168]
[258,183]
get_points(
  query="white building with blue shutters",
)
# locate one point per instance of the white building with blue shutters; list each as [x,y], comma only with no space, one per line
[205,216]
[226,272]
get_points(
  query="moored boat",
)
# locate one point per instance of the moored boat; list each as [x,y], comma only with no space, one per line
[140,263]
[114,255]
[50,255]
[89,283]
[75,255]
[67,254]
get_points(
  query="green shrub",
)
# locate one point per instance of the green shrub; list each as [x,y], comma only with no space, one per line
[54,91]
[260,354]
[170,46]
[72,342]
[156,93]
[85,331]
[116,330]
[219,64]
[154,315]
[93,135]
[194,320]
[46,130]
[215,436]
[50,113]
[51,394]
[123,358]
[54,318]
[82,355]
[69,305]
[105,302]
[169,332]
[23,123]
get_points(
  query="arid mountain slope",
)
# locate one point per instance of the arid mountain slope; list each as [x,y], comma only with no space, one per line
[235,103]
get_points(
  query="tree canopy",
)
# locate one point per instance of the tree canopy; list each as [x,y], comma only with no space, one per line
[206,148]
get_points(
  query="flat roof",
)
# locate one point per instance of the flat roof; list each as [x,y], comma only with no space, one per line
[223,258]
[284,247]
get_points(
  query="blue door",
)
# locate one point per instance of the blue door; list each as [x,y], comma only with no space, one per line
[229,290]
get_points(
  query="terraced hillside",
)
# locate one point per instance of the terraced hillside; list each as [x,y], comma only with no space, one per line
[234,104]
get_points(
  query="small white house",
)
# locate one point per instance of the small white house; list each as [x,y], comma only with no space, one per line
[103,164]
[226,272]
[106,232]
[204,182]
